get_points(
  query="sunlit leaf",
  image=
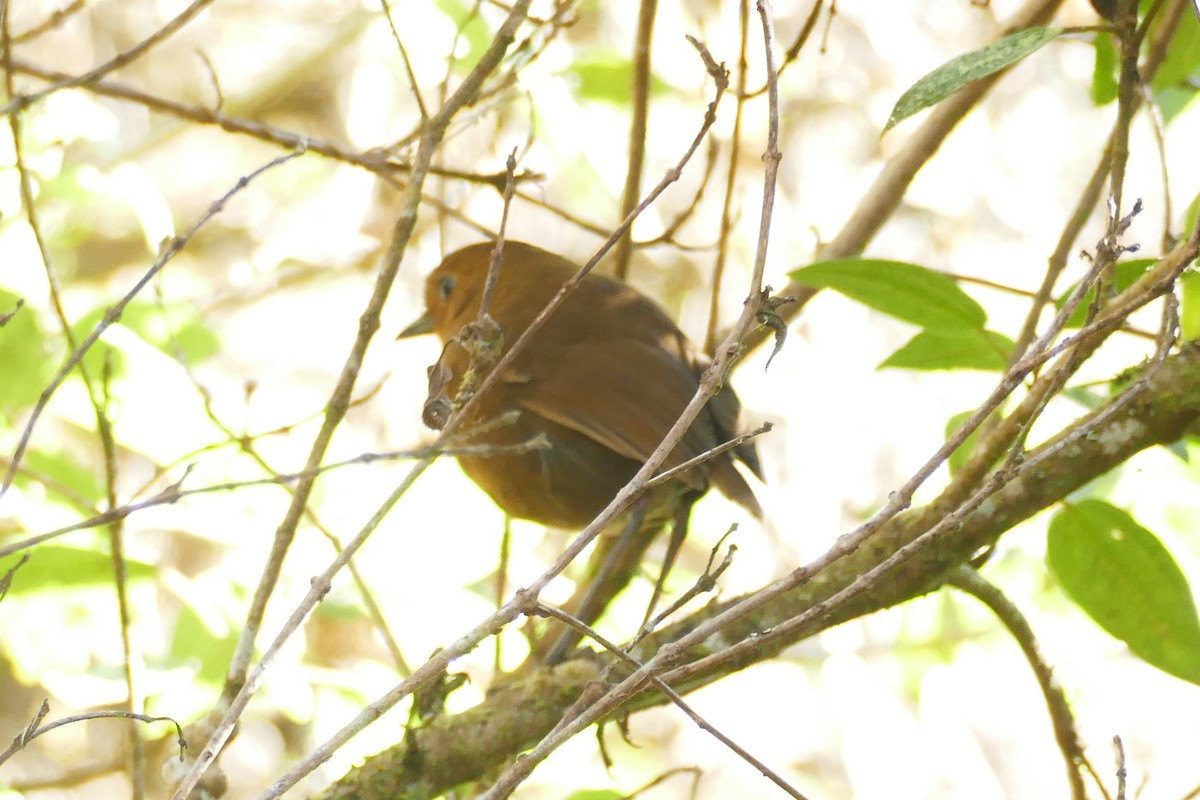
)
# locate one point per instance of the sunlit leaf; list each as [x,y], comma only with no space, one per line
[471,26]
[608,78]
[940,349]
[908,292]
[195,642]
[964,450]
[25,364]
[1104,70]
[65,470]
[1182,60]
[1126,580]
[177,330]
[596,794]
[1173,100]
[1189,309]
[56,567]
[956,73]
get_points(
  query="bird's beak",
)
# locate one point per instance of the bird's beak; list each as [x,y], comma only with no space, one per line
[422,324]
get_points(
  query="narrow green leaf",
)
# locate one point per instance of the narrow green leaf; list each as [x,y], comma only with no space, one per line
[907,292]
[1192,212]
[939,349]
[1121,575]
[608,78]
[1189,309]
[1104,71]
[956,73]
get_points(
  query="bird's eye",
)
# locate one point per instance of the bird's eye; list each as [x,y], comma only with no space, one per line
[445,286]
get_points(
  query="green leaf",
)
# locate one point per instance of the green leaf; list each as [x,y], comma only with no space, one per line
[905,291]
[101,354]
[1124,276]
[1104,71]
[1189,310]
[1179,449]
[56,567]
[967,349]
[1085,396]
[67,470]
[471,27]
[1183,55]
[596,794]
[195,641]
[608,78]
[1121,575]
[177,330]
[1193,211]
[25,367]
[1173,100]
[964,450]
[956,73]
[1174,85]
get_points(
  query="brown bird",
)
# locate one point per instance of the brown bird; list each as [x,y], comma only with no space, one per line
[602,381]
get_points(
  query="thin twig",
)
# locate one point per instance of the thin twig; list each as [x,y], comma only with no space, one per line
[36,729]
[708,455]
[175,492]
[493,273]
[639,105]
[122,59]
[735,149]
[670,694]
[408,68]
[1122,773]
[376,160]
[55,20]
[705,583]
[974,584]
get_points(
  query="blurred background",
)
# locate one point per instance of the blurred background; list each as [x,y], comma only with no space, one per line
[221,367]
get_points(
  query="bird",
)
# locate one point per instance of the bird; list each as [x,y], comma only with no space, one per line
[597,387]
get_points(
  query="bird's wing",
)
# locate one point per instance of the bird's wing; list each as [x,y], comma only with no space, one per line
[624,393]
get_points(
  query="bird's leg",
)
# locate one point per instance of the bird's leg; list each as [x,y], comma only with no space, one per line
[679,531]
[610,568]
